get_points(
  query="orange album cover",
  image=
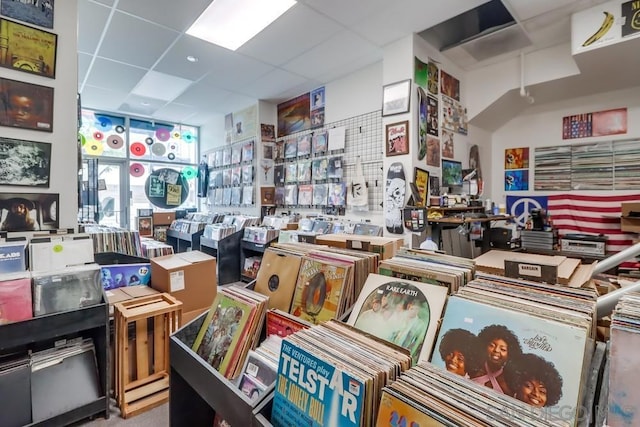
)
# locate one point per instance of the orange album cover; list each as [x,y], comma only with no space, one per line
[28,49]
[318,290]
[392,410]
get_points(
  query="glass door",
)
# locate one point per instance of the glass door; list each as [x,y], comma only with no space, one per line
[104,195]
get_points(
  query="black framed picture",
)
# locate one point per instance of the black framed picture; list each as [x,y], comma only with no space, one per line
[396,97]
[28,49]
[33,12]
[29,211]
[26,105]
[25,163]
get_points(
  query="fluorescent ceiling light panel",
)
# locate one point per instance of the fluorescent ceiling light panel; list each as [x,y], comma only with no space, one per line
[161,86]
[231,23]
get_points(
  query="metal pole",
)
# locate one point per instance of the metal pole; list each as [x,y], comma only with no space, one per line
[619,258]
[606,303]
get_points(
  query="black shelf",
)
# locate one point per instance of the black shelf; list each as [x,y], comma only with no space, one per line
[252,249]
[197,391]
[182,241]
[87,322]
[228,256]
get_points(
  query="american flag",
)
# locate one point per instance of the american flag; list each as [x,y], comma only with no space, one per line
[584,214]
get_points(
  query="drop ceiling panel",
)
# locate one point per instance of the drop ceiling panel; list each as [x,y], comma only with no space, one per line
[92,19]
[347,13]
[272,84]
[114,75]
[236,102]
[178,15]
[343,48]
[237,71]
[175,112]
[175,62]
[527,9]
[107,2]
[351,67]
[202,95]
[83,66]
[102,99]
[295,32]
[134,41]
[141,105]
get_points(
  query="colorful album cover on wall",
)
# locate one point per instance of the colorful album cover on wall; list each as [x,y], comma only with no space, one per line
[25,163]
[422,123]
[449,85]
[420,73]
[28,49]
[32,12]
[516,158]
[630,18]
[29,211]
[433,84]
[599,123]
[26,105]
[516,180]
[447,144]
[267,133]
[432,116]
[245,123]
[301,113]
[433,151]
[454,116]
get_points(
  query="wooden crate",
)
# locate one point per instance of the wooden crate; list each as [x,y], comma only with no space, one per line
[142,357]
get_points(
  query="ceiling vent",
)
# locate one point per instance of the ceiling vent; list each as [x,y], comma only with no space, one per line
[483,32]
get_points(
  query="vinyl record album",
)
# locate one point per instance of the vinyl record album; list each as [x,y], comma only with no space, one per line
[158,149]
[277,278]
[176,135]
[120,129]
[188,137]
[171,156]
[104,124]
[148,141]
[94,148]
[138,149]
[136,169]
[163,134]
[98,136]
[82,139]
[189,172]
[315,294]
[115,141]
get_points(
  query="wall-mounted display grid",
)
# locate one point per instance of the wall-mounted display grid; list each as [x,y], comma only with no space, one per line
[606,165]
[331,171]
[232,175]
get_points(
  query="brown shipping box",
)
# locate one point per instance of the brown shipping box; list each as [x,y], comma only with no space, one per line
[190,277]
[629,221]
[163,218]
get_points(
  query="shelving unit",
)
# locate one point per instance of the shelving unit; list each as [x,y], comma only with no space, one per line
[182,241]
[197,391]
[228,256]
[88,322]
[252,249]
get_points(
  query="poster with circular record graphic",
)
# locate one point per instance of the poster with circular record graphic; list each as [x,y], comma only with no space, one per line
[166,188]
[403,312]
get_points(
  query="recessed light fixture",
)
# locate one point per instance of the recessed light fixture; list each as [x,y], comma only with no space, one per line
[192,58]
[231,23]
[145,103]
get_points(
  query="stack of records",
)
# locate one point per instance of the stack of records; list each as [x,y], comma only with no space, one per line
[333,375]
[282,324]
[524,340]
[68,289]
[231,328]
[429,267]
[403,312]
[277,276]
[260,234]
[70,367]
[15,389]
[218,231]
[624,376]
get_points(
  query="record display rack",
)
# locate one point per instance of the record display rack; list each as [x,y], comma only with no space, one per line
[252,249]
[197,391]
[182,241]
[88,322]
[227,253]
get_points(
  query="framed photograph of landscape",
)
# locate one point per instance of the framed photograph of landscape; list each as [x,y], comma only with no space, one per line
[24,163]
[26,105]
[28,49]
[395,98]
[38,13]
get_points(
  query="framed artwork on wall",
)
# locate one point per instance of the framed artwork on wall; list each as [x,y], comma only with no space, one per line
[28,49]
[29,211]
[396,97]
[421,181]
[25,163]
[26,105]
[397,138]
[37,13]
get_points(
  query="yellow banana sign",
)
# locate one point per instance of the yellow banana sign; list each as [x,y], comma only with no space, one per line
[604,29]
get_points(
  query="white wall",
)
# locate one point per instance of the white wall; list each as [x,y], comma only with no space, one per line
[541,126]
[355,94]
[64,169]
[212,134]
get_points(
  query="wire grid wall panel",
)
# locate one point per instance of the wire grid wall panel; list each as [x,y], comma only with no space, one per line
[363,137]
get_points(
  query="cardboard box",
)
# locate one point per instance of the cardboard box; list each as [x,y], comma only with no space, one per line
[190,277]
[163,218]
[385,246]
[629,222]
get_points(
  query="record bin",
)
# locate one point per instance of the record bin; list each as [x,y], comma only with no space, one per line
[197,391]
[228,256]
[43,331]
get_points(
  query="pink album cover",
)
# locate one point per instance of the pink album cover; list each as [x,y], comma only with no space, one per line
[15,300]
[610,122]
